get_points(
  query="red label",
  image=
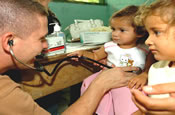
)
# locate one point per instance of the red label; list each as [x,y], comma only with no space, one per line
[54,49]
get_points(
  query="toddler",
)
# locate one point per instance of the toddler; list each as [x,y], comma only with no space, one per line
[125,49]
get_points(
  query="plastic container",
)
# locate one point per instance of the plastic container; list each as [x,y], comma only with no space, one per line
[95,37]
[56,42]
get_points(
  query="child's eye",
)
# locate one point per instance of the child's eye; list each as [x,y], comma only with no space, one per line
[112,28]
[122,30]
[156,32]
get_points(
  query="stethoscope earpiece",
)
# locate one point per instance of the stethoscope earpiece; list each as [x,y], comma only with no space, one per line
[10,42]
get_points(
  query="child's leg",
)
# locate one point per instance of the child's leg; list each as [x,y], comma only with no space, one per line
[88,81]
[105,106]
[123,104]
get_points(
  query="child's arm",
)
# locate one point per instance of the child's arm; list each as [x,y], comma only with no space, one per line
[139,81]
[97,55]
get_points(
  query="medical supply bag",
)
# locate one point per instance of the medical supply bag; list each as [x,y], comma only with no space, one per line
[82,26]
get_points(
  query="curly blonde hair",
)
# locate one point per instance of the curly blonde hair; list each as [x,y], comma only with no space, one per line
[162,8]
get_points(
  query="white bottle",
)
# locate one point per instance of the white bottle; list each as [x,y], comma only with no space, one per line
[56,41]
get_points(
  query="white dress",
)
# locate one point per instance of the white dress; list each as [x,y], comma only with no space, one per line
[135,56]
[160,73]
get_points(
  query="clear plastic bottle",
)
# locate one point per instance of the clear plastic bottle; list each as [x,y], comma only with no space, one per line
[56,41]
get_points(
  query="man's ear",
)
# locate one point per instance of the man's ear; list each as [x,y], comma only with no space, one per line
[6,38]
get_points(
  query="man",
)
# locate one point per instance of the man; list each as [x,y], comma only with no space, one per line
[23,26]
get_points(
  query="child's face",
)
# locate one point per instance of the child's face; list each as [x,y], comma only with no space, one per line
[161,40]
[123,33]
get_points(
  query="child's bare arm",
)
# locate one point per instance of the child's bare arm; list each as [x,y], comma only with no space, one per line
[138,81]
[100,54]
[97,55]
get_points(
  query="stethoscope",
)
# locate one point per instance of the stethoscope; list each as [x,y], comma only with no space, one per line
[40,68]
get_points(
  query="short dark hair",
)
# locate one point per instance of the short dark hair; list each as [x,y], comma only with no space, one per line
[19,16]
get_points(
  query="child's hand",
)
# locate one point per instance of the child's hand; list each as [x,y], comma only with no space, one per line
[103,61]
[138,81]
[78,53]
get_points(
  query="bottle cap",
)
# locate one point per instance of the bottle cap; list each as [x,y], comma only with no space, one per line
[57,28]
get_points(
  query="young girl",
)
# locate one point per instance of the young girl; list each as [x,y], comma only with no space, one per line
[124,50]
[159,20]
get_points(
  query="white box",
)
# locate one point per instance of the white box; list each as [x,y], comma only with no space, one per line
[95,37]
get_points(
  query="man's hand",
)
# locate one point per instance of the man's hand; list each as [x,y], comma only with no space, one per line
[115,77]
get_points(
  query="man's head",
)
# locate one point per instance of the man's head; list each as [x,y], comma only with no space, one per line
[45,3]
[24,22]
[16,15]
